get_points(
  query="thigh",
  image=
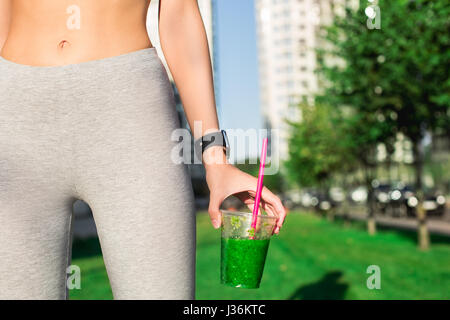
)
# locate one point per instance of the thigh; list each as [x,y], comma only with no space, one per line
[143,208]
[35,204]
[146,227]
[34,244]
[141,200]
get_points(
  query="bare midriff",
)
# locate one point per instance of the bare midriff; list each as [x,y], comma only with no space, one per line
[61,32]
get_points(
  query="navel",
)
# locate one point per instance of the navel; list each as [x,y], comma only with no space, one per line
[63,44]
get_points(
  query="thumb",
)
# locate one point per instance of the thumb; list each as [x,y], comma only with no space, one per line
[214,211]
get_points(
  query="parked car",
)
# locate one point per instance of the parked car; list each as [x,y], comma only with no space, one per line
[337,194]
[308,199]
[358,195]
[402,201]
[291,199]
[398,199]
[381,196]
[317,200]
[434,204]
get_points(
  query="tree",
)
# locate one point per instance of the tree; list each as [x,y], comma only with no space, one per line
[393,80]
[317,148]
[424,92]
[348,66]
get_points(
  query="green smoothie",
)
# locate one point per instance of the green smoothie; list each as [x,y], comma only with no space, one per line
[243,262]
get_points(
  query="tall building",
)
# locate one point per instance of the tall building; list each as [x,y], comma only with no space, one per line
[287,33]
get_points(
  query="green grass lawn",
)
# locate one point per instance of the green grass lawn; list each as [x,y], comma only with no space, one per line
[312,258]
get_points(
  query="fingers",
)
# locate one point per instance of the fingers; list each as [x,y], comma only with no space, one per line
[278,207]
[270,210]
[250,203]
[245,191]
[271,203]
[214,211]
[280,221]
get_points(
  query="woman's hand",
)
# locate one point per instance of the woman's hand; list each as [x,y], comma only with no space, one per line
[224,180]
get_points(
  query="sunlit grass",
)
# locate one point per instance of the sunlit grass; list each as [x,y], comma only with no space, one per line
[312,258]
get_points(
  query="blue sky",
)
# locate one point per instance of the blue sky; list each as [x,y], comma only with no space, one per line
[238,96]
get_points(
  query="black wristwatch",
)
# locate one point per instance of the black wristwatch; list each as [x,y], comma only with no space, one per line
[218,138]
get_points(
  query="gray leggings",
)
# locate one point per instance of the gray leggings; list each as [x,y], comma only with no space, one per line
[99,131]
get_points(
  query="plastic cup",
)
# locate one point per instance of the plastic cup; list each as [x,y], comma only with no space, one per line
[243,258]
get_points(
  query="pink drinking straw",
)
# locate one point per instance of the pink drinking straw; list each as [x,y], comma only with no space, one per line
[259,186]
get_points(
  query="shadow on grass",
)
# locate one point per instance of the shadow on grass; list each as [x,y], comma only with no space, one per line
[86,248]
[330,287]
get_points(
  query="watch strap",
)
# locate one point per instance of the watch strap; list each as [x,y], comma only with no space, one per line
[218,138]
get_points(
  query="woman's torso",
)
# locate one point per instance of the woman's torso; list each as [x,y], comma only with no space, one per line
[49,32]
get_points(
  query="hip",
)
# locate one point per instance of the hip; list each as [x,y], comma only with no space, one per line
[125,101]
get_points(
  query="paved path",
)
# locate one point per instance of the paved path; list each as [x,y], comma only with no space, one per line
[435,225]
